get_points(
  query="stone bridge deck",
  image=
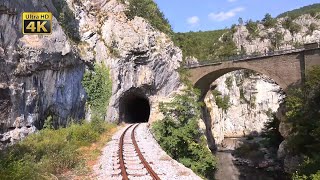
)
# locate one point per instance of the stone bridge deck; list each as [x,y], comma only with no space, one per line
[287,67]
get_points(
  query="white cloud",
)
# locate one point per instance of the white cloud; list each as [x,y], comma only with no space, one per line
[194,20]
[232,0]
[221,16]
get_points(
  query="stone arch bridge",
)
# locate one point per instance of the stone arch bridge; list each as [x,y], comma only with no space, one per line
[287,68]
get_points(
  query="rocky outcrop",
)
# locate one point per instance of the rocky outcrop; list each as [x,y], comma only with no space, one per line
[278,37]
[40,75]
[246,100]
[140,58]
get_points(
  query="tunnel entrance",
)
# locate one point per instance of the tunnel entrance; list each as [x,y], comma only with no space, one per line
[134,107]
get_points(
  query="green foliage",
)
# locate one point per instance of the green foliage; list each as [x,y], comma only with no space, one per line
[48,123]
[271,132]
[223,102]
[311,9]
[98,86]
[229,81]
[48,152]
[179,135]
[200,45]
[242,96]
[268,21]
[226,47]
[276,39]
[149,10]
[312,28]
[253,29]
[303,107]
[291,25]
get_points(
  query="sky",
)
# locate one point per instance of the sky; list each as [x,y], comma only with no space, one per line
[196,15]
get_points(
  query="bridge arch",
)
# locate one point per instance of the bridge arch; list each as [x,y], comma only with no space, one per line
[207,78]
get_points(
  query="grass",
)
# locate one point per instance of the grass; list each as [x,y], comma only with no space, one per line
[50,153]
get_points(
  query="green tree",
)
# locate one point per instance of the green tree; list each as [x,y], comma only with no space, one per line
[252,28]
[291,25]
[303,107]
[312,28]
[268,21]
[276,39]
[240,21]
[271,132]
[179,135]
[149,10]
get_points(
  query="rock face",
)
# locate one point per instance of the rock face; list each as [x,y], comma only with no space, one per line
[36,71]
[141,59]
[41,76]
[247,99]
[267,40]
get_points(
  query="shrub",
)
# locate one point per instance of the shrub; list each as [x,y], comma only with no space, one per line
[312,28]
[179,135]
[47,152]
[276,39]
[98,86]
[253,29]
[291,26]
[149,10]
[268,21]
[229,81]
[223,102]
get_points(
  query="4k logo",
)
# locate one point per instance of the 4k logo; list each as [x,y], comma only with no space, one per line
[37,23]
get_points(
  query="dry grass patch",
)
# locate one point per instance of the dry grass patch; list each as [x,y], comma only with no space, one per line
[90,156]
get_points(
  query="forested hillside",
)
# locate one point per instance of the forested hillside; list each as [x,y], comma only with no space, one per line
[288,30]
[311,9]
[198,44]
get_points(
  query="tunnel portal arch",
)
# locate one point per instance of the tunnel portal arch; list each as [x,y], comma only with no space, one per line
[134,106]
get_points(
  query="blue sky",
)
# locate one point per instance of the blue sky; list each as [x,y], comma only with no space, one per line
[195,15]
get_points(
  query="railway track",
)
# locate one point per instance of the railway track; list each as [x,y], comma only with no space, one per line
[132,164]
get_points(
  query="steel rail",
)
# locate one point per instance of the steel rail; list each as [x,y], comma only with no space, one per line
[124,173]
[143,160]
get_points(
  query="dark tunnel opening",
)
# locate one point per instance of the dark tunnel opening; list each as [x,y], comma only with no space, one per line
[134,108]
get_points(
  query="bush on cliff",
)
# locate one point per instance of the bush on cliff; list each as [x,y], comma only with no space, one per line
[149,10]
[98,86]
[179,135]
[49,152]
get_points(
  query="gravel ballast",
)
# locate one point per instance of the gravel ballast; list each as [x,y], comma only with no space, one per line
[166,167]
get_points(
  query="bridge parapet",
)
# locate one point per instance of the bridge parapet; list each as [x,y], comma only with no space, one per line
[255,56]
[287,67]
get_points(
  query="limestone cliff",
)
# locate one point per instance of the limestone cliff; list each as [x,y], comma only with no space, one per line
[240,103]
[141,59]
[293,34]
[41,76]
